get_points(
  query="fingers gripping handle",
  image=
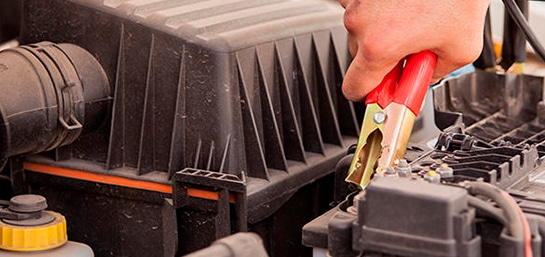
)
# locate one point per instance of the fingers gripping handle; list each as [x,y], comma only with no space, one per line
[406,85]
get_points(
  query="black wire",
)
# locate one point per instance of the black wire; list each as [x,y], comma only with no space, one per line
[487,59]
[513,49]
[485,209]
[514,223]
[522,23]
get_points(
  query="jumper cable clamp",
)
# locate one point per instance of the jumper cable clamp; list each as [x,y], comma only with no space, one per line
[391,110]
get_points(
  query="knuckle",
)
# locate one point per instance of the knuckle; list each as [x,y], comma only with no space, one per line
[372,49]
[350,20]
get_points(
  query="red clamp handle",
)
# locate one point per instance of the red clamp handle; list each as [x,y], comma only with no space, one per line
[406,85]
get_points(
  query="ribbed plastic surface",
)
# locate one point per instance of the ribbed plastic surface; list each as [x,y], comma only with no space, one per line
[34,238]
[225,25]
[494,129]
[238,87]
[217,85]
[501,110]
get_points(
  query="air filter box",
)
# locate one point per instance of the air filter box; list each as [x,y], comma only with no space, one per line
[249,89]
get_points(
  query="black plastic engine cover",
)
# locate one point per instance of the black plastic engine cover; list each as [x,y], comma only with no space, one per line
[245,88]
[408,218]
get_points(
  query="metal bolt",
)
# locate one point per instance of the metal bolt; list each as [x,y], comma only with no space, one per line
[390,172]
[445,171]
[379,117]
[403,168]
[432,177]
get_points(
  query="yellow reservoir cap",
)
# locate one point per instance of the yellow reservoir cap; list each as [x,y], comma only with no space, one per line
[34,238]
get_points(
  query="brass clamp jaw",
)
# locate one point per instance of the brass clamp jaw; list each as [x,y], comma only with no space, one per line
[389,117]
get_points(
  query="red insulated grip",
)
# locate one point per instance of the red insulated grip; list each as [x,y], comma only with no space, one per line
[415,80]
[383,94]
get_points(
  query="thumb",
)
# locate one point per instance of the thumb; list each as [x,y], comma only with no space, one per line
[362,77]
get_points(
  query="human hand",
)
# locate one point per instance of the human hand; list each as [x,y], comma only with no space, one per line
[381,33]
